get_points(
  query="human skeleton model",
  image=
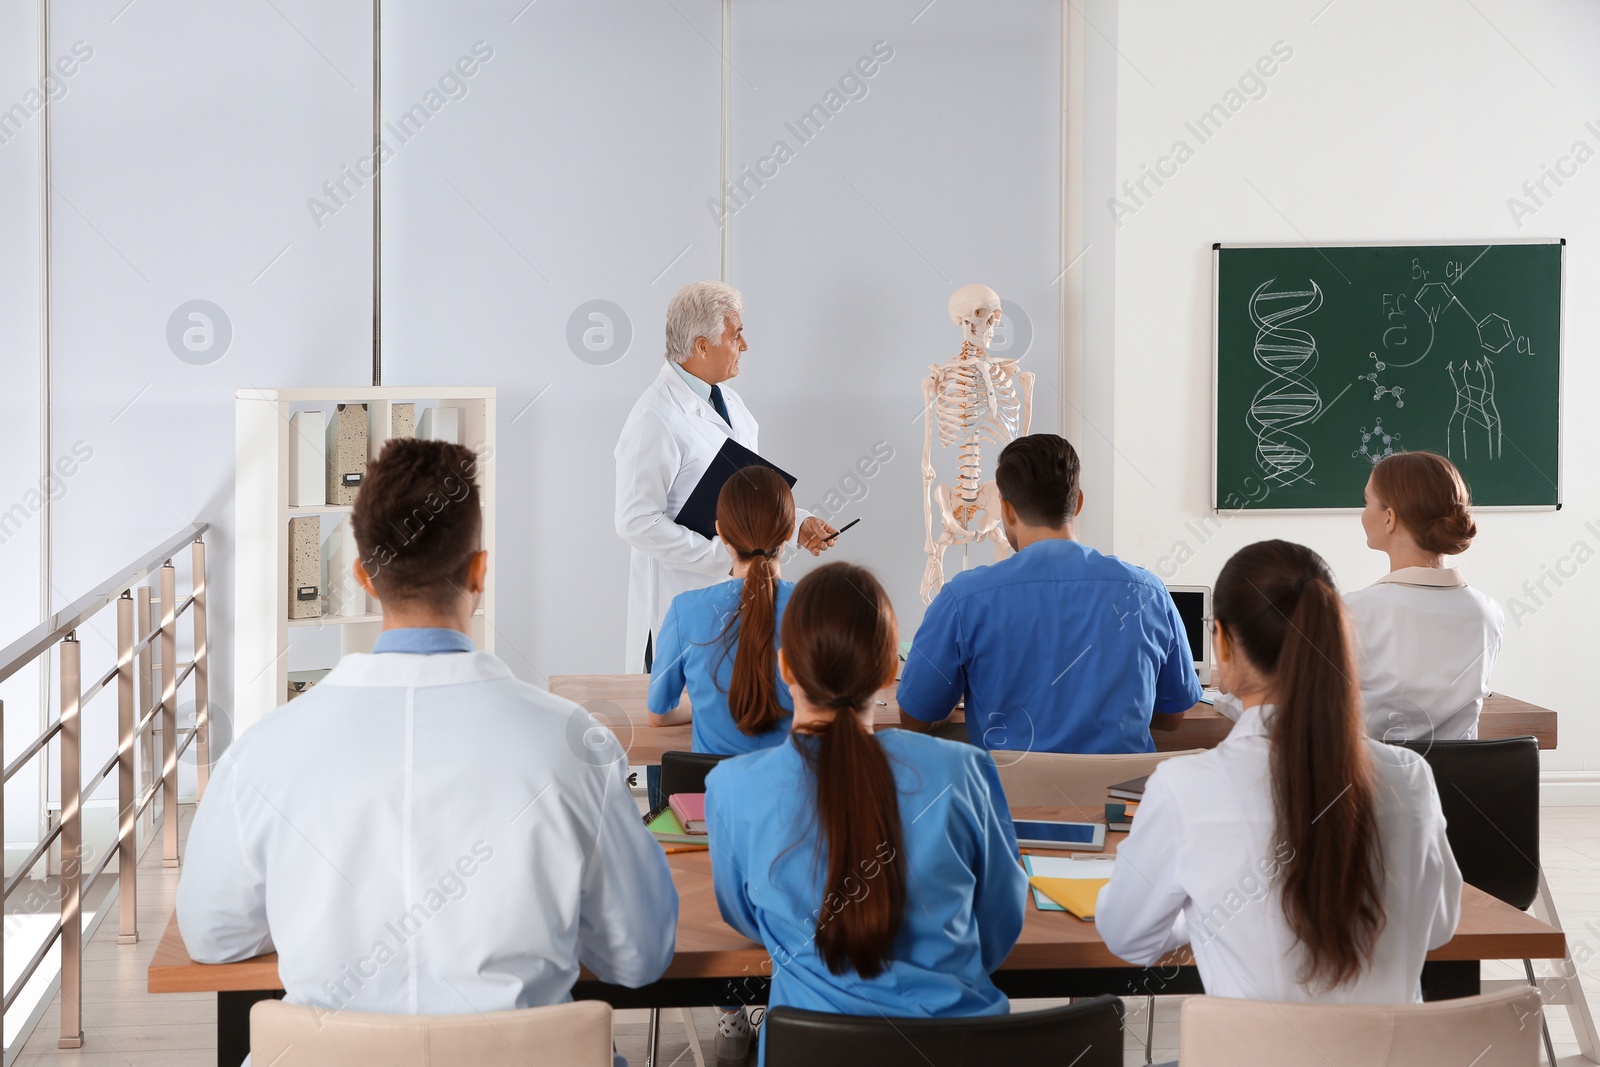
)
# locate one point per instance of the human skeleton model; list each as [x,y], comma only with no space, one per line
[971,399]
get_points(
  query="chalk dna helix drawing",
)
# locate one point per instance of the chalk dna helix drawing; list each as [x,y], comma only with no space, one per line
[1288,399]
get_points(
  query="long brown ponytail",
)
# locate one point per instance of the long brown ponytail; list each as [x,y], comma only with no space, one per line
[839,641]
[1279,606]
[755,516]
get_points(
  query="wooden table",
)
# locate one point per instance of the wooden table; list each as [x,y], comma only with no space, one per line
[1056,956]
[618,701]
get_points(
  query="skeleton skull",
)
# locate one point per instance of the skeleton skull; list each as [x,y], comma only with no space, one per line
[976,309]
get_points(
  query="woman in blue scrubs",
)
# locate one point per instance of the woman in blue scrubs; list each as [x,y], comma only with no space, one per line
[721,642]
[879,870]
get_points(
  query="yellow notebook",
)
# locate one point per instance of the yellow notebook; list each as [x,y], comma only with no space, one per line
[1077,895]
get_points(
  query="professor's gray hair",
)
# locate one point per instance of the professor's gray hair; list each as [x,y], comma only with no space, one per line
[699,309]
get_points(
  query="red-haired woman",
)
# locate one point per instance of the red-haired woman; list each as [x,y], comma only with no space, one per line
[1301,859]
[1426,641]
[879,870]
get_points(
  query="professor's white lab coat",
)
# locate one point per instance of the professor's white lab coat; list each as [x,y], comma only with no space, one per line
[667,444]
[427,835]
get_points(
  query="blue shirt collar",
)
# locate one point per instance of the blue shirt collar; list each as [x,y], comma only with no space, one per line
[701,389]
[422,641]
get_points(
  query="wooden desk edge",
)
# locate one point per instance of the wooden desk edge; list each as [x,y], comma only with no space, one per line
[1506,716]
[172,971]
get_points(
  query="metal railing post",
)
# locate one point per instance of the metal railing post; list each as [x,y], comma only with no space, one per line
[71,846]
[169,715]
[127,781]
[202,680]
[2,825]
[147,762]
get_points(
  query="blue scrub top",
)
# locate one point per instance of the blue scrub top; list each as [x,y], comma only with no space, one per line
[1056,649]
[965,891]
[689,653]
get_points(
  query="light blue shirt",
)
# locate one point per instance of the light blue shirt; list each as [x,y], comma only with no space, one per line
[422,641]
[702,388]
[966,894]
[690,653]
[1056,649]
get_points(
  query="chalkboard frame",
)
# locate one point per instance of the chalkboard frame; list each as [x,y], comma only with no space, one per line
[1561,357]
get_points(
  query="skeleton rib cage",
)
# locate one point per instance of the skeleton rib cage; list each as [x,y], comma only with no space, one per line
[975,401]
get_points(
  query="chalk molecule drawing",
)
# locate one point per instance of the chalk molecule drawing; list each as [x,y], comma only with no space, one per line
[1288,399]
[1494,330]
[1381,391]
[1376,443]
[1475,410]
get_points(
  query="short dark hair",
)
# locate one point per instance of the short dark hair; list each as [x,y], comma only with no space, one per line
[1038,476]
[418,521]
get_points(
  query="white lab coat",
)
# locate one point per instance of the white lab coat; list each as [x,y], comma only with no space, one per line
[667,444]
[1202,866]
[427,835]
[1426,643]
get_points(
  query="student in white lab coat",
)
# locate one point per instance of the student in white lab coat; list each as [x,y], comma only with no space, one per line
[1426,641]
[668,442]
[422,832]
[1302,860]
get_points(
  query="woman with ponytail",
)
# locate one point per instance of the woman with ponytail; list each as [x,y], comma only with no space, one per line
[1300,859]
[879,870]
[721,642]
[1426,641]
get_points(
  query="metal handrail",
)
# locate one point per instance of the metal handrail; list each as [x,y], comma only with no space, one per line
[28,753]
[33,965]
[47,634]
[21,873]
[132,675]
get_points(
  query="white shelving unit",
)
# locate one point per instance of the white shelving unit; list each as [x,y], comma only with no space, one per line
[262,514]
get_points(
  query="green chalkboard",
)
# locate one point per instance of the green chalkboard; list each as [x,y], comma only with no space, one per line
[1329,358]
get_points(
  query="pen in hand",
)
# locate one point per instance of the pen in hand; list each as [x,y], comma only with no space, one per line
[840,530]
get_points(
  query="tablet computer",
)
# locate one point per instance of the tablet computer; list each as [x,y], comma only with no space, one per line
[1079,836]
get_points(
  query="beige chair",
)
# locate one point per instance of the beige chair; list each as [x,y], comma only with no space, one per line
[1054,780]
[562,1035]
[1495,1030]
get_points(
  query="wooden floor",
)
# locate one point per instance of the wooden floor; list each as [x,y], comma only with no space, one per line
[126,1027]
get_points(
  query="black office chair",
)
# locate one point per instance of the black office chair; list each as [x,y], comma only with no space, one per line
[1489,791]
[685,772]
[1085,1034]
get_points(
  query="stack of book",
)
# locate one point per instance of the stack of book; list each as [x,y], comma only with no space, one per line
[1125,797]
[681,822]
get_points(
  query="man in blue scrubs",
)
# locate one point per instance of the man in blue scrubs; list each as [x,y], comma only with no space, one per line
[1057,648]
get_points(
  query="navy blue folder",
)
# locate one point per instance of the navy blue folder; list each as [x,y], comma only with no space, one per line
[699,512]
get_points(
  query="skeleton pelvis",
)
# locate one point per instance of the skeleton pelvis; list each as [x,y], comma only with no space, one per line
[967,520]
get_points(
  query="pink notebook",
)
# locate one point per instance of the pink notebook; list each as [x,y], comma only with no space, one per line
[690,808]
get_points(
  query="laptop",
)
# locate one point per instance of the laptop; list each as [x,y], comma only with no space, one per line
[1194,608]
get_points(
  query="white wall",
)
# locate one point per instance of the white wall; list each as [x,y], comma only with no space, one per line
[1403,123]
[940,169]
[574,165]
[185,148]
[21,500]
[571,171]
[577,167]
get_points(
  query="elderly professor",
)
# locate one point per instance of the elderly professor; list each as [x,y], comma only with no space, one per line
[671,436]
